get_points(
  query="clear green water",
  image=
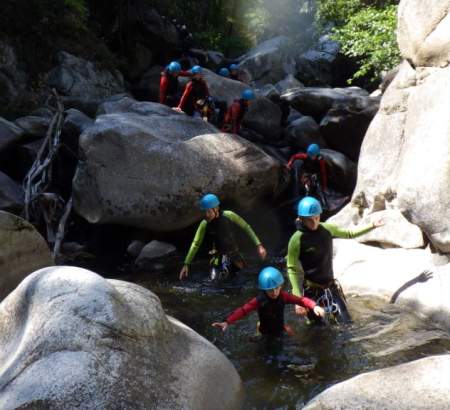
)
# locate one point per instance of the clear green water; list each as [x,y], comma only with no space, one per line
[286,374]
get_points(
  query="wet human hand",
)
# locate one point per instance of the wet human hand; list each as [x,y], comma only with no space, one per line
[319,311]
[377,223]
[184,272]
[300,310]
[221,325]
[261,251]
[177,109]
[424,276]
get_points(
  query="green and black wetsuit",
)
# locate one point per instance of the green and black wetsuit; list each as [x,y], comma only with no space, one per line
[222,235]
[310,254]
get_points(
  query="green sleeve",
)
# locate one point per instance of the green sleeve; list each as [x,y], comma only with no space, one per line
[294,267]
[198,239]
[338,232]
[235,218]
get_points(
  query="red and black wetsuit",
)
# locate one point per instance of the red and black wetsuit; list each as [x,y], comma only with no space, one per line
[270,311]
[235,76]
[196,89]
[168,87]
[311,166]
[234,116]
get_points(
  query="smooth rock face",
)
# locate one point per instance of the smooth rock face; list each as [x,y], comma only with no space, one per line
[287,83]
[423,32]
[71,339]
[143,169]
[269,62]
[413,168]
[367,270]
[74,124]
[421,384]
[23,250]
[11,194]
[10,134]
[340,170]
[155,256]
[33,125]
[304,131]
[264,117]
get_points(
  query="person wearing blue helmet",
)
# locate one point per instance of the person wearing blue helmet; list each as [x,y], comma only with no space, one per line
[310,256]
[270,304]
[195,90]
[236,112]
[218,223]
[224,72]
[311,165]
[169,93]
[234,72]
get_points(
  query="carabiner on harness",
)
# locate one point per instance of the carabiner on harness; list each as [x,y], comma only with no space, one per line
[328,303]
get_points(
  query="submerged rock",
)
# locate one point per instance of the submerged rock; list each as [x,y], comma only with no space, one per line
[71,339]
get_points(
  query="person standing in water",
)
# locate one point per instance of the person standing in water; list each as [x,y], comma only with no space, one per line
[310,257]
[219,223]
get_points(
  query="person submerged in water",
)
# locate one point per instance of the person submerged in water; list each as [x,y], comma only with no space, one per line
[310,257]
[219,223]
[270,304]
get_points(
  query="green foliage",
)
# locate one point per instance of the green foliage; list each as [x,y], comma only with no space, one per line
[366,30]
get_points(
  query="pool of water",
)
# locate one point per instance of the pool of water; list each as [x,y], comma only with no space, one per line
[288,373]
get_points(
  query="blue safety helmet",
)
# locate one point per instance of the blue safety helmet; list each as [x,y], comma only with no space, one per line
[270,278]
[174,67]
[224,72]
[196,69]
[309,206]
[313,150]
[209,201]
[248,95]
[234,67]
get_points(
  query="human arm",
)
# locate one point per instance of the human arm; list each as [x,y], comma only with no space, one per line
[196,243]
[294,268]
[163,84]
[186,93]
[323,174]
[303,302]
[295,157]
[238,314]
[338,232]
[233,117]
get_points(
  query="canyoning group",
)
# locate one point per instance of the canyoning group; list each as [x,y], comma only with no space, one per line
[316,294]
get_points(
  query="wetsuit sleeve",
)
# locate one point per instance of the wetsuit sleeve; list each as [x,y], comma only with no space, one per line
[184,73]
[294,267]
[338,232]
[243,311]
[185,96]
[235,218]
[206,89]
[323,173]
[198,239]
[294,158]
[235,110]
[297,300]
[163,84]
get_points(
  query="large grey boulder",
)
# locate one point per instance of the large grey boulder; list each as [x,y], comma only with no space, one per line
[418,385]
[316,101]
[148,167]
[34,126]
[368,270]
[148,87]
[344,128]
[302,132]
[287,83]
[155,255]
[10,134]
[341,171]
[71,339]
[82,84]
[11,194]
[23,250]
[270,61]
[423,32]
[412,168]
[75,123]
[264,117]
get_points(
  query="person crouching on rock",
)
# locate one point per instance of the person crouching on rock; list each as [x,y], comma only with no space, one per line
[236,112]
[270,304]
[226,258]
[195,90]
[310,258]
[169,93]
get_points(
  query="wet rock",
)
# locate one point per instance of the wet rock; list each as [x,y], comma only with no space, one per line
[268,91]
[75,123]
[11,194]
[135,248]
[131,162]
[208,58]
[417,385]
[341,171]
[264,117]
[86,341]
[82,84]
[155,255]
[287,83]
[139,60]
[302,132]
[34,126]
[10,134]
[423,32]
[148,87]
[316,101]
[23,250]
[269,62]
[25,156]
[412,167]
[344,128]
